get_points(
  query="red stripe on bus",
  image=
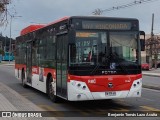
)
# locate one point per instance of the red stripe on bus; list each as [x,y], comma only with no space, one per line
[36,70]
[20,66]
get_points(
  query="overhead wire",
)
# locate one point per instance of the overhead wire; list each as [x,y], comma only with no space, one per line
[100,11]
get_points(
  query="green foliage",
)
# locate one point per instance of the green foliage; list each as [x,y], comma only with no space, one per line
[4,12]
[1,52]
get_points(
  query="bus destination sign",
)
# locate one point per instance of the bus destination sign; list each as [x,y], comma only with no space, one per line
[106,25]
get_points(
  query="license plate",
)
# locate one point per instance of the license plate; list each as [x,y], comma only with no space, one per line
[110,93]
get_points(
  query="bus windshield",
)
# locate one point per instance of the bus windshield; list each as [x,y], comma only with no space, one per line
[101,48]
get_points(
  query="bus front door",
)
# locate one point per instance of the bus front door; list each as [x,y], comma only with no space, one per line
[61,66]
[29,62]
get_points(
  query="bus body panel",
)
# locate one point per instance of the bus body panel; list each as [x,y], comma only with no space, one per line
[77,92]
[18,70]
[38,80]
[96,82]
[101,83]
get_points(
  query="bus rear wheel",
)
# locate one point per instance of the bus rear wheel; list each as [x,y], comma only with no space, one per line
[51,92]
[23,80]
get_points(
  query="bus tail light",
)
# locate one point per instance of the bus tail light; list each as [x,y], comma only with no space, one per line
[69,77]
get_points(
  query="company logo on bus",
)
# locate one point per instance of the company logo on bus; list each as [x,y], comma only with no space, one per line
[112,66]
[110,85]
[106,72]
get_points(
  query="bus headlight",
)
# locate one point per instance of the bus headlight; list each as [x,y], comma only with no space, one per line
[79,85]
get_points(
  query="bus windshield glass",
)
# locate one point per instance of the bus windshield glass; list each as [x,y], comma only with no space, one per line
[123,46]
[101,48]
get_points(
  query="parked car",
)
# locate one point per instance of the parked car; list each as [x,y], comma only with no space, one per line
[145,66]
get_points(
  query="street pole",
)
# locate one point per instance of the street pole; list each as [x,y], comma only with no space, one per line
[5,44]
[12,16]
[10,38]
[151,43]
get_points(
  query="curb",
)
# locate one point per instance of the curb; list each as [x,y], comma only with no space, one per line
[151,87]
[7,64]
[154,75]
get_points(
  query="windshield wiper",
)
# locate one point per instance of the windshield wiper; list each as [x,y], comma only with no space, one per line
[95,69]
[106,61]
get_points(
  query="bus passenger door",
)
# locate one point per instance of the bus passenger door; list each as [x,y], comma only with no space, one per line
[29,62]
[61,66]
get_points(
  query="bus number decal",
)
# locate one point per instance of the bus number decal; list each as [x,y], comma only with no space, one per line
[92,81]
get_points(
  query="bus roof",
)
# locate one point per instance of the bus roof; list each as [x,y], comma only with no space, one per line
[32,28]
[59,20]
[102,17]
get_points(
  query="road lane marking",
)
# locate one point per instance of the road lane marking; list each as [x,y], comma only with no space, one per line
[150,108]
[120,109]
[147,99]
[48,108]
[84,113]
[152,90]
[26,94]
[125,110]
[100,111]
[123,102]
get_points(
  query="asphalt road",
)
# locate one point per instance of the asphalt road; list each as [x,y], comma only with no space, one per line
[150,100]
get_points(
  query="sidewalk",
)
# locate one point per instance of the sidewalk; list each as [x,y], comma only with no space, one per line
[152,72]
[11,63]
[11,101]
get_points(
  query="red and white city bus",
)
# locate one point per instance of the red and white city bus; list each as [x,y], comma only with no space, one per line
[81,58]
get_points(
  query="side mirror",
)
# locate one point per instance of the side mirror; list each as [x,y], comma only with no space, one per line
[142,40]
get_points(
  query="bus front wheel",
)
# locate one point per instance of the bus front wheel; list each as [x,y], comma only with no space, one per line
[51,92]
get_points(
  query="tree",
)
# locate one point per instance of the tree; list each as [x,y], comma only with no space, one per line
[1,52]
[153,50]
[3,11]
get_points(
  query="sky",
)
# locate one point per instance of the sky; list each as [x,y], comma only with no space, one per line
[46,11]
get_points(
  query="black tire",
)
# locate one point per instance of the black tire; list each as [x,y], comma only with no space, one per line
[50,90]
[22,78]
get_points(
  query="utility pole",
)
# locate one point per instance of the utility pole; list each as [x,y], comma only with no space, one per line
[5,44]
[151,42]
[10,41]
